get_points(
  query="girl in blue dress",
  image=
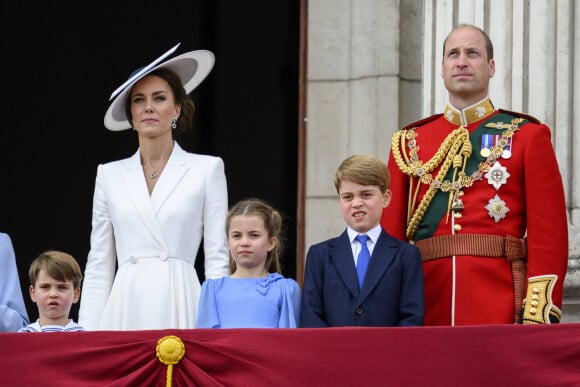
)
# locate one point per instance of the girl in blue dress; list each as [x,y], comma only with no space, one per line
[255,295]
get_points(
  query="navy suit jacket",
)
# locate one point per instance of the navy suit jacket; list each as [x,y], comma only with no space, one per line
[392,292]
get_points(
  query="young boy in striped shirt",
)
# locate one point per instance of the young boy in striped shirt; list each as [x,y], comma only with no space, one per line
[55,284]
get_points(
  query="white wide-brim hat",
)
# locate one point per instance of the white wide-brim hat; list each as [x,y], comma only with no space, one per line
[191,67]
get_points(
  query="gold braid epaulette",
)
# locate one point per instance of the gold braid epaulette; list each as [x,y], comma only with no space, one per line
[456,149]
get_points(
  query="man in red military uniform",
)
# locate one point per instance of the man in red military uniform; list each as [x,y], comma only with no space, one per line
[479,191]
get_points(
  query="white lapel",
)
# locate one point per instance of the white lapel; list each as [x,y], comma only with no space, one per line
[136,186]
[170,178]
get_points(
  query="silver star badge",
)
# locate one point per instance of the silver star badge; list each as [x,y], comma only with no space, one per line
[496,208]
[497,175]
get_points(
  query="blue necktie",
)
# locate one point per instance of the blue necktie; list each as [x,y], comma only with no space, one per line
[363,258]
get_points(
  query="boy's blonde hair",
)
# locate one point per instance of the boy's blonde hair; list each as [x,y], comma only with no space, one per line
[363,170]
[57,264]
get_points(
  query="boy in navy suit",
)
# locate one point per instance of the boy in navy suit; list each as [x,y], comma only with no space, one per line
[390,291]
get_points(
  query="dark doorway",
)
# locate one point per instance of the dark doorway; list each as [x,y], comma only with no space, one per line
[61,63]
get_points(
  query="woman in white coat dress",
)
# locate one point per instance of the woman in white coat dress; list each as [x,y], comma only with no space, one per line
[152,210]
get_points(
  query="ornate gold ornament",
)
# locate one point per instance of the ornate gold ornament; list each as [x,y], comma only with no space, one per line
[454,151]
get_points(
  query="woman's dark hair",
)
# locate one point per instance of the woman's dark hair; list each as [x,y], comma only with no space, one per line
[185,120]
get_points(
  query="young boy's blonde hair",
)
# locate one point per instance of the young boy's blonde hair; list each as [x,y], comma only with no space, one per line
[363,170]
[57,264]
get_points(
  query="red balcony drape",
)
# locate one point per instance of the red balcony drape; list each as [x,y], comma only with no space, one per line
[497,355]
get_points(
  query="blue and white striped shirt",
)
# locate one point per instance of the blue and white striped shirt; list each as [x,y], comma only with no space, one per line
[35,327]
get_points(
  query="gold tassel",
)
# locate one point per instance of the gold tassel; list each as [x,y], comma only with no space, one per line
[170,350]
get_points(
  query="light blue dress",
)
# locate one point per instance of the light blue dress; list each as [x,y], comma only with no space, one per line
[13,315]
[268,302]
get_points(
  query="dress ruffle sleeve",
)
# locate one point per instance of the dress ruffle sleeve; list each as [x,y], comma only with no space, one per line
[207,314]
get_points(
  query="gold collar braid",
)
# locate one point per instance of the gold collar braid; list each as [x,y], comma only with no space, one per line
[470,114]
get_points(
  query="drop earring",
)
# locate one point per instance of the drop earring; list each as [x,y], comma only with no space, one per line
[174,124]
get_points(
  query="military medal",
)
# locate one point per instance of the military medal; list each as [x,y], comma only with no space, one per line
[486,140]
[490,141]
[497,175]
[496,208]
[507,147]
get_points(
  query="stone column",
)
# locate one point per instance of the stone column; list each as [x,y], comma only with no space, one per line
[353,103]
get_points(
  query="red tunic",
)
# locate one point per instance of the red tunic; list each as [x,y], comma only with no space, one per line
[466,290]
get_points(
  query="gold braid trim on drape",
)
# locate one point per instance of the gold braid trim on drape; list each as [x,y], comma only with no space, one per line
[170,350]
[455,150]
